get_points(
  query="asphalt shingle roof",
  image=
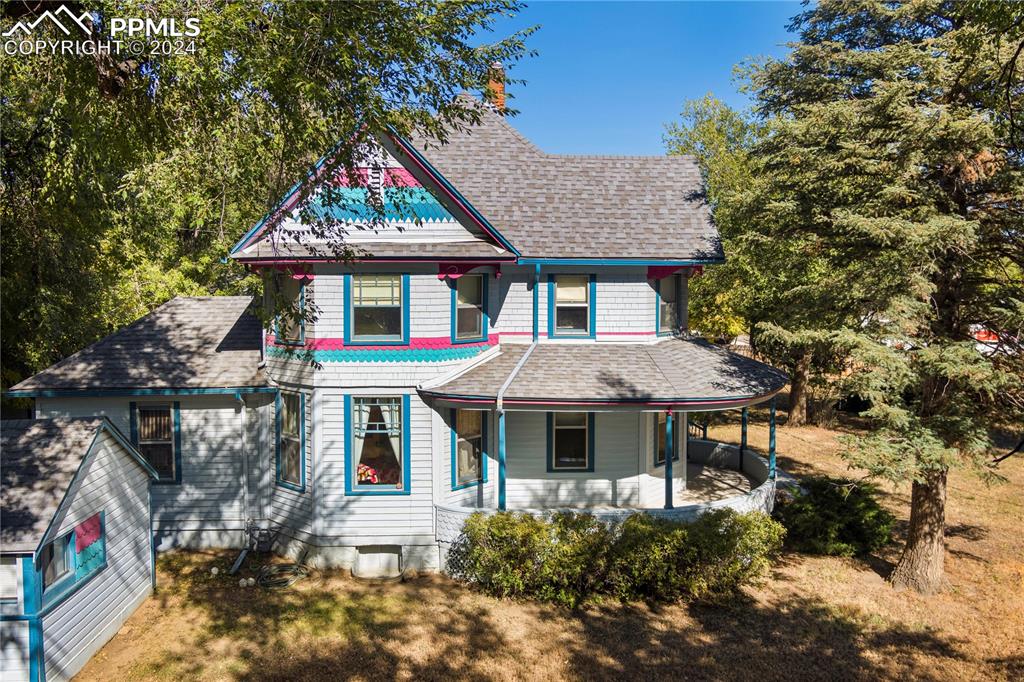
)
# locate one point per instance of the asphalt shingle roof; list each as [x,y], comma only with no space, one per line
[670,370]
[188,342]
[38,459]
[562,206]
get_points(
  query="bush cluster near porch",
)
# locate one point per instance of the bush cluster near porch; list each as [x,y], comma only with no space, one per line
[574,557]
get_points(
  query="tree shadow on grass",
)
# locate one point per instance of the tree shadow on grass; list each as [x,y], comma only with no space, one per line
[434,628]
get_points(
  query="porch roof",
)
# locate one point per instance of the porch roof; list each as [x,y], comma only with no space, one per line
[688,373]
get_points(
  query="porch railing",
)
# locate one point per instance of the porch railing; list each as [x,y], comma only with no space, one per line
[696,430]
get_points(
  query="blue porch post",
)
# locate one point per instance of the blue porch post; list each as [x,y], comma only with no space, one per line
[771,439]
[743,436]
[668,459]
[501,460]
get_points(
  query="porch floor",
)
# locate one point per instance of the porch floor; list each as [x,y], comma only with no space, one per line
[707,484]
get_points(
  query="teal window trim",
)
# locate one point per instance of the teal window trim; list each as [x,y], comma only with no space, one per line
[551,446]
[300,486]
[675,441]
[657,305]
[352,489]
[553,333]
[278,341]
[453,412]
[485,323]
[133,423]
[56,594]
[351,340]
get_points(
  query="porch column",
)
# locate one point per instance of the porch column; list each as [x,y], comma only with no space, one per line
[743,436]
[501,460]
[668,459]
[771,439]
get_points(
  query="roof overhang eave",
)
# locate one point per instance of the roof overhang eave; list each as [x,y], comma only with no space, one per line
[629,404]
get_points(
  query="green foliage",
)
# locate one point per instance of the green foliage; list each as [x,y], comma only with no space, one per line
[837,517]
[574,557]
[126,179]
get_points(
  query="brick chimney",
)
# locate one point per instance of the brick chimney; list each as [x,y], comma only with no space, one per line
[496,87]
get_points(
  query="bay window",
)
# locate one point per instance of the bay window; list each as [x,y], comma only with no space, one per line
[377,308]
[570,305]
[661,437]
[668,305]
[377,457]
[291,420]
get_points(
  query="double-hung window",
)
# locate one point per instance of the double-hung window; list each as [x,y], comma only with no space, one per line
[661,438]
[376,311]
[570,441]
[57,560]
[8,579]
[668,305]
[291,423]
[571,308]
[469,434]
[290,297]
[377,446]
[155,438]
[470,318]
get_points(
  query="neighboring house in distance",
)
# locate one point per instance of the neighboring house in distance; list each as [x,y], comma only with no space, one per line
[76,552]
[513,335]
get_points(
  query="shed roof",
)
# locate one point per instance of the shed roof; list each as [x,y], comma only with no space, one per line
[38,461]
[572,206]
[188,342]
[669,372]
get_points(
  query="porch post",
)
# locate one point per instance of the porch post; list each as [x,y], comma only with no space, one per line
[743,436]
[501,460]
[668,459]
[771,439]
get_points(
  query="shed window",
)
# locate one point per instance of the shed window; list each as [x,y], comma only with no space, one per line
[661,436]
[291,424]
[8,578]
[290,295]
[56,560]
[469,307]
[570,441]
[668,305]
[377,442]
[377,307]
[469,446]
[156,438]
[572,304]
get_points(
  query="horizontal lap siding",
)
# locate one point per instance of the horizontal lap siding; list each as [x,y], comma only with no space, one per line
[373,517]
[212,488]
[613,481]
[80,625]
[14,652]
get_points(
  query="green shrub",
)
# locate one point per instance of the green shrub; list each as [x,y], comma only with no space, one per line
[647,559]
[835,516]
[573,556]
[575,565]
[501,554]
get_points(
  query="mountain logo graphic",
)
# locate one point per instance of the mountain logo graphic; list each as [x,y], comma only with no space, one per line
[69,20]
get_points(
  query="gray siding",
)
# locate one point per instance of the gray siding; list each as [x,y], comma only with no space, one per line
[80,625]
[14,651]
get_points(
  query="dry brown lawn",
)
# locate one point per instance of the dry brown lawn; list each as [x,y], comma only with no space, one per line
[814,618]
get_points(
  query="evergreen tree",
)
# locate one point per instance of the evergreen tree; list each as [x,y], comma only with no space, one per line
[891,169]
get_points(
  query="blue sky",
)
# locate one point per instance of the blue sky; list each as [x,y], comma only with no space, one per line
[610,75]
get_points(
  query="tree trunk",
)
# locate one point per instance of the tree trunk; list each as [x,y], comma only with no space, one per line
[920,567]
[798,391]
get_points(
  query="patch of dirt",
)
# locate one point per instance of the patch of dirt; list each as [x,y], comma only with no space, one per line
[813,618]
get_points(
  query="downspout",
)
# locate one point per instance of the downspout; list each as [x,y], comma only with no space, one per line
[500,408]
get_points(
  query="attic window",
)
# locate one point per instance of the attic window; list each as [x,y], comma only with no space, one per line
[56,560]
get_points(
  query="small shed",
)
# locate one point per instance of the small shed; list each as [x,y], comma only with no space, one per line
[76,547]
